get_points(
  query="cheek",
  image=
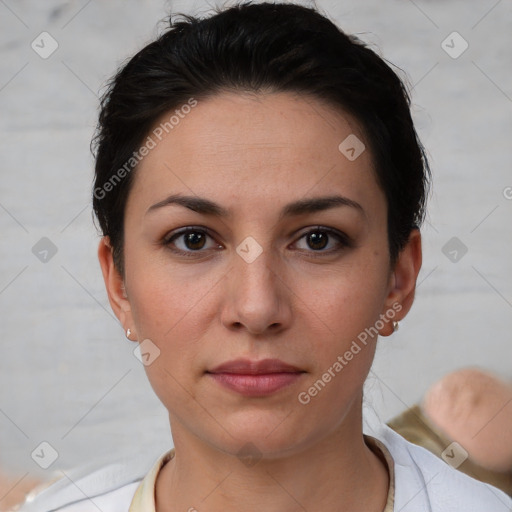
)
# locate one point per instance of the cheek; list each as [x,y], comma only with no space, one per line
[170,313]
[173,308]
[347,299]
[348,303]
[167,301]
[341,350]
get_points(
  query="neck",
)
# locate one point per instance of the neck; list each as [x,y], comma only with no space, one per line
[338,473]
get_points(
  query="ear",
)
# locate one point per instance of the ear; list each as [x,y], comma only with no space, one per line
[402,282]
[114,285]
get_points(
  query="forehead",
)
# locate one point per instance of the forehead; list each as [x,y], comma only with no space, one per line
[256,148]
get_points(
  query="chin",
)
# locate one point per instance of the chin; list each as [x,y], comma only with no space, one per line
[267,434]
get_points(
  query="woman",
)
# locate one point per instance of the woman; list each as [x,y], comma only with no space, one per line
[260,189]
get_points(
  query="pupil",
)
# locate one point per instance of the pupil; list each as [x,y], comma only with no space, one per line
[194,238]
[317,238]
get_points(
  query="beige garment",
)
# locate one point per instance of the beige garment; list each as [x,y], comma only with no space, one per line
[144,498]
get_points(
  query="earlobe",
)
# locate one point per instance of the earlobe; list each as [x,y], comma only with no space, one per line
[402,283]
[114,285]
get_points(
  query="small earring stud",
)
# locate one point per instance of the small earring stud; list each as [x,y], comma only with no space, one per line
[396,325]
[128,333]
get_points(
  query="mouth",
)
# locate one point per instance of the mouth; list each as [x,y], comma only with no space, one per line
[255,378]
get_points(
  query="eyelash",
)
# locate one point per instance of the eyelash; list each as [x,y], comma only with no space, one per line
[343,239]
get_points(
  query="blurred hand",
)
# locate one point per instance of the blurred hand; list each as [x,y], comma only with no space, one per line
[13,490]
[474,408]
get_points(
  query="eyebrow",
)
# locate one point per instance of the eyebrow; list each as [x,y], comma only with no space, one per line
[296,208]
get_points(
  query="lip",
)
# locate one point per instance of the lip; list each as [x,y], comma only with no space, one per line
[249,367]
[255,378]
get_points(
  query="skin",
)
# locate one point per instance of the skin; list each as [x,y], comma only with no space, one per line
[14,489]
[474,408]
[253,154]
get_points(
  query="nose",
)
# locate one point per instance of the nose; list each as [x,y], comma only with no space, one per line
[257,297]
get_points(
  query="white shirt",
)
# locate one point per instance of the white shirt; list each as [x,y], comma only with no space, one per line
[420,482]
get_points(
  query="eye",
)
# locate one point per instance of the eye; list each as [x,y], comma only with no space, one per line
[189,240]
[193,241]
[320,238]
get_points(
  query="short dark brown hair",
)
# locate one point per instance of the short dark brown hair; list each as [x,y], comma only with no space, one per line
[266,46]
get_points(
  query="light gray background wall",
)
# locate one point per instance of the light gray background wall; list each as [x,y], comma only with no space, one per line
[68,376]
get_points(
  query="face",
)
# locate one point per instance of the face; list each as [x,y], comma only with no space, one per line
[268,269]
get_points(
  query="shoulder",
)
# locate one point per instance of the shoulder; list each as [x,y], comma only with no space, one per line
[109,488]
[117,500]
[424,482]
